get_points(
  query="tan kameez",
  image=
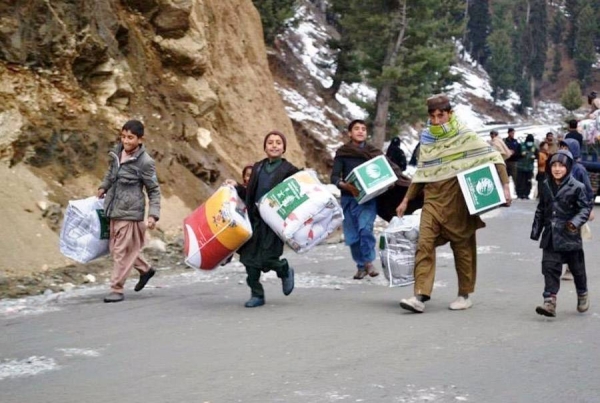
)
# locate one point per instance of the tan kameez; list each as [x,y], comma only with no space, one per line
[445,218]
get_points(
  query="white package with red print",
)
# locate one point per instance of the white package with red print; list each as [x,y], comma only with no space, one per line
[301,211]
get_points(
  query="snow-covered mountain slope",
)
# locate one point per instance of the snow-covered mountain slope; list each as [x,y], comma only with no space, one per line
[302,51]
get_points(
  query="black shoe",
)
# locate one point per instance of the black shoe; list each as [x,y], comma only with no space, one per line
[287,283]
[144,278]
[114,297]
[254,302]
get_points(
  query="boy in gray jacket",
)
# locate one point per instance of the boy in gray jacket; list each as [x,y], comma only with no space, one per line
[563,208]
[131,171]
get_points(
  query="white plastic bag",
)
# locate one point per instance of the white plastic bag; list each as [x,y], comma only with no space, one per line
[398,246]
[85,230]
[586,232]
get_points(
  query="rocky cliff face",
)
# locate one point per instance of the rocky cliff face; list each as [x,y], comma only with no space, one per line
[73,71]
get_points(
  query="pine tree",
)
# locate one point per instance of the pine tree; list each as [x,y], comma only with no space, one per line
[404,49]
[558,27]
[500,65]
[478,28]
[273,14]
[572,12]
[556,65]
[571,97]
[585,51]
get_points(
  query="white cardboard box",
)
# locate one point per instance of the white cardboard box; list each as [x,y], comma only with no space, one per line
[481,188]
[372,178]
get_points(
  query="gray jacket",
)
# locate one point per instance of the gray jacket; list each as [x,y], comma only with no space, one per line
[124,184]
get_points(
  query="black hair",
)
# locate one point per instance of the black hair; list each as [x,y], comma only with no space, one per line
[246,168]
[573,124]
[134,126]
[510,130]
[354,123]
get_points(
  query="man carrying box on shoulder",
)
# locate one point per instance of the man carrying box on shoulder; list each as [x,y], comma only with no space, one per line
[447,148]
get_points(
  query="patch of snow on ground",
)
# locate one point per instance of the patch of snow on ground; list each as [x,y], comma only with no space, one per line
[27,367]
[79,352]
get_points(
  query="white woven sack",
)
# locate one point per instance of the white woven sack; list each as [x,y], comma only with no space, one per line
[398,256]
[84,233]
[301,211]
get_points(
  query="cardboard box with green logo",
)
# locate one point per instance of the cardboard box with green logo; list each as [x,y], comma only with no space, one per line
[372,178]
[481,188]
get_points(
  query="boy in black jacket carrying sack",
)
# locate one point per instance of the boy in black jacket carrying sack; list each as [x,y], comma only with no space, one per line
[562,210]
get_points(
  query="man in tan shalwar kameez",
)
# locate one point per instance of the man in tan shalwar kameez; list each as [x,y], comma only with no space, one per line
[447,148]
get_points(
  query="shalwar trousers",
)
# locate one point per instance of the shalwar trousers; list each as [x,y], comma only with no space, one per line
[432,234]
[126,242]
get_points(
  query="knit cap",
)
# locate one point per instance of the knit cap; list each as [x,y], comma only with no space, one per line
[283,139]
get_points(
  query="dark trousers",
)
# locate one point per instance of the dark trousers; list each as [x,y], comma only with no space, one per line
[523,184]
[540,178]
[552,263]
[511,170]
[253,278]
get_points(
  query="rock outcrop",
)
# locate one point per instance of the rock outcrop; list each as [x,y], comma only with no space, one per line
[73,71]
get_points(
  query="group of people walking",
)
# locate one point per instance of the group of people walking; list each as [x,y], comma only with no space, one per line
[446,148]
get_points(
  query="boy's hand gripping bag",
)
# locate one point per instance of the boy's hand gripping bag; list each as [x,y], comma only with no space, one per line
[85,230]
[301,211]
[216,229]
[398,246]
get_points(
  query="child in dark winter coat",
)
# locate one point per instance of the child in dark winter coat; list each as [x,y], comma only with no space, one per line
[131,171]
[562,210]
[263,251]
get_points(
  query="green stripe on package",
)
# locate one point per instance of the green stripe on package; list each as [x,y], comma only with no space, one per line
[286,197]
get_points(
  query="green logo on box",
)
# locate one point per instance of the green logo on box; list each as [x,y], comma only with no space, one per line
[482,188]
[287,196]
[375,172]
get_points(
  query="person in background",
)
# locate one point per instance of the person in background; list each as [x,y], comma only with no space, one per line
[560,214]
[552,144]
[525,167]
[241,187]
[499,145]
[594,103]
[395,153]
[448,148]
[573,133]
[262,253]
[131,172]
[511,162]
[540,177]
[414,158]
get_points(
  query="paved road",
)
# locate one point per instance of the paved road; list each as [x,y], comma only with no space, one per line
[189,339]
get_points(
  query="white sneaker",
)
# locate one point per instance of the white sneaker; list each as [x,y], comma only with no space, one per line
[461,303]
[412,304]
